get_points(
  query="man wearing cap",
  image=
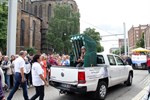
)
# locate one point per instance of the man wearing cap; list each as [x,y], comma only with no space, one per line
[80,61]
[19,76]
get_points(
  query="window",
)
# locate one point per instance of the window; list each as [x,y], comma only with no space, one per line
[49,11]
[35,10]
[40,11]
[27,6]
[100,59]
[119,60]
[22,32]
[23,4]
[111,60]
[71,6]
[33,36]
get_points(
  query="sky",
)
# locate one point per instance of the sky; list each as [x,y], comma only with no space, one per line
[107,17]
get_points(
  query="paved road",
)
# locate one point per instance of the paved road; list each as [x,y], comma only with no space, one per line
[119,92]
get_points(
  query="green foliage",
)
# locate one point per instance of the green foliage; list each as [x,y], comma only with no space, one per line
[31,51]
[96,36]
[140,43]
[120,50]
[3,27]
[62,25]
[117,52]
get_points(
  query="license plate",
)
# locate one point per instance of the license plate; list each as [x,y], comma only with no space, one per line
[66,85]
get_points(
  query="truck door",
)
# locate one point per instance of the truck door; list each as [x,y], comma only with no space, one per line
[123,69]
[113,70]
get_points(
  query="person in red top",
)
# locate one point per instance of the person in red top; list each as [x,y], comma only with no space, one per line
[52,60]
[148,63]
[44,64]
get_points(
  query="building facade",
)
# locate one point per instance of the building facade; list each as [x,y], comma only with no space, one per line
[135,34]
[147,38]
[33,20]
[121,42]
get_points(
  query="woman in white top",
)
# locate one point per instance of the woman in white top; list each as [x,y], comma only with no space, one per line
[27,70]
[38,78]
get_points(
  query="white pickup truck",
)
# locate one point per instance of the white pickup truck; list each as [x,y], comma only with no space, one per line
[110,71]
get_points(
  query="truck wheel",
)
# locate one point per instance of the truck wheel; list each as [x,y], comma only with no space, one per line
[133,66]
[101,91]
[129,81]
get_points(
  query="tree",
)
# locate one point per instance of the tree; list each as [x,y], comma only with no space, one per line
[120,50]
[62,25]
[117,52]
[31,51]
[140,43]
[3,27]
[96,36]
[123,49]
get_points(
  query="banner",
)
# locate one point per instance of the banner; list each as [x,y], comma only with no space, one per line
[138,59]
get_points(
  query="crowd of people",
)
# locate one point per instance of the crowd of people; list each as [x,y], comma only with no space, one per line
[24,70]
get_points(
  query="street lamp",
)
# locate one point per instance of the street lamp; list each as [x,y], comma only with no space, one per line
[11,29]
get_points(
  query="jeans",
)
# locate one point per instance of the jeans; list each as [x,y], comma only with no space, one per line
[13,80]
[7,80]
[39,93]
[17,84]
[30,78]
[27,77]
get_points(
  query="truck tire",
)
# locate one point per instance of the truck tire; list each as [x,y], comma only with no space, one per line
[129,80]
[144,66]
[133,66]
[101,91]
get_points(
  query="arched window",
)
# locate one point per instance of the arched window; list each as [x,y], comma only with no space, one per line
[27,6]
[40,11]
[22,32]
[49,11]
[33,36]
[35,10]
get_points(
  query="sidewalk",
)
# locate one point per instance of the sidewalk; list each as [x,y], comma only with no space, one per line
[144,92]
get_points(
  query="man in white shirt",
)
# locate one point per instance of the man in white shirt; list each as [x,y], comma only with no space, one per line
[19,76]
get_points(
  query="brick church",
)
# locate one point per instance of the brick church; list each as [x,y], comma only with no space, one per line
[32,22]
